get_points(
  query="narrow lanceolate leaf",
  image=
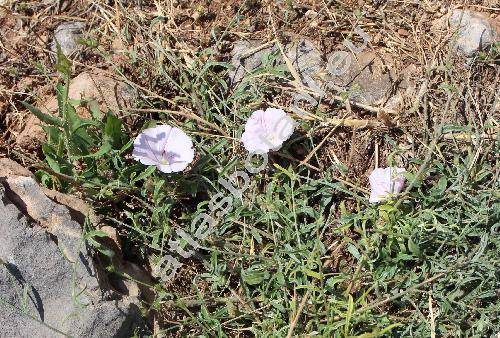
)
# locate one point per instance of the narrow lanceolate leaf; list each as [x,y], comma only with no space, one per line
[105,148]
[47,118]
[24,301]
[63,64]
[113,130]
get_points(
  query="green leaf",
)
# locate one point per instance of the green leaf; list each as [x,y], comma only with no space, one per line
[252,276]
[376,332]
[350,311]
[93,106]
[105,148]
[89,237]
[63,65]
[96,233]
[314,274]
[145,174]
[101,248]
[49,119]
[354,251]
[56,162]
[413,247]
[113,130]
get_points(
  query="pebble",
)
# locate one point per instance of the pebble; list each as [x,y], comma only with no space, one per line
[67,35]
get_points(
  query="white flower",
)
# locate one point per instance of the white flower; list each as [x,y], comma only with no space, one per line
[267,130]
[385,182]
[166,147]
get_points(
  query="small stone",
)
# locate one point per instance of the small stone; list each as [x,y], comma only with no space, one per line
[475,32]
[403,32]
[307,60]
[366,76]
[67,35]
[310,14]
[108,92]
[247,56]
[196,15]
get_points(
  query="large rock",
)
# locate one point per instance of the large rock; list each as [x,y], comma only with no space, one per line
[474,31]
[47,277]
[108,92]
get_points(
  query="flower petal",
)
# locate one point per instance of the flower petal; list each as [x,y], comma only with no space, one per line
[149,144]
[169,148]
[267,130]
[385,182]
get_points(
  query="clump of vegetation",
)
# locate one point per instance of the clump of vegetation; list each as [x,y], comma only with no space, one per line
[302,252]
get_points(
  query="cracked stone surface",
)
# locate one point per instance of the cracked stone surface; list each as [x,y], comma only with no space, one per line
[42,253]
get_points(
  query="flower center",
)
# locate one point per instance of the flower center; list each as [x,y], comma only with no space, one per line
[272,137]
[168,158]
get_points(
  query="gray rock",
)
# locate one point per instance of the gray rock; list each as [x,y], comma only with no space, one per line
[475,32]
[43,255]
[365,76]
[307,60]
[247,55]
[67,34]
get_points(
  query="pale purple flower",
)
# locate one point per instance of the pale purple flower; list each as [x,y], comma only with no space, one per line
[266,130]
[166,147]
[385,182]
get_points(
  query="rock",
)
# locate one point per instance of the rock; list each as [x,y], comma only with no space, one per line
[405,92]
[67,35]
[140,281]
[247,56]
[367,77]
[475,31]
[307,60]
[11,168]
[42,254]
[109,93]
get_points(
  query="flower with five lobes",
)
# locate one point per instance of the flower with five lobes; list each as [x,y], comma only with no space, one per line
[166,147]
[266,130]
[385,182]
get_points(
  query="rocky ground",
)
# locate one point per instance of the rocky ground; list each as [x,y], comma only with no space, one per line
[47,269]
